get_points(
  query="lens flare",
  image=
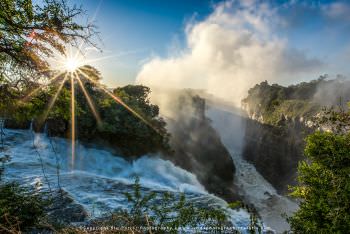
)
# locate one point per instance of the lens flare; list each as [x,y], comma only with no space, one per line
[72,119]
[71,66]
[53,100]
[90,102]
[119,101]
[35,91]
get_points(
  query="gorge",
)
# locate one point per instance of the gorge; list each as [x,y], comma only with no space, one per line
[220,154]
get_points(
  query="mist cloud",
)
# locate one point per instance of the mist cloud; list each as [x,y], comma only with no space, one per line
[227,53]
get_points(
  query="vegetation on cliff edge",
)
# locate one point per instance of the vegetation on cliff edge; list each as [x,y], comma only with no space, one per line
[273,103]
[324,184]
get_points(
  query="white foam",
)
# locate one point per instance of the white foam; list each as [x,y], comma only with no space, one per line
[98,178]
[251,184]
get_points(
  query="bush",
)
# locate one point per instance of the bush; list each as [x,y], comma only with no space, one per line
[324,185]
[164,212]
[20,208]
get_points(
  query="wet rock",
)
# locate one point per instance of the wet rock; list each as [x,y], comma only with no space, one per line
[275,150]
[56,127]
[198,149]
[65,210]
[14,124]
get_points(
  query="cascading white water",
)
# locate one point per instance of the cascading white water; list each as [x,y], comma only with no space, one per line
[253,187]
[98,178]
[45,129]
[31,125]
[2,133]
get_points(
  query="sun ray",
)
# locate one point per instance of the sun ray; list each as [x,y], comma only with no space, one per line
[72,119]
[72,64]
[90,102]
[33,92]
[78,51]
[118,100]
[59,60]
[101,58]
[53,100]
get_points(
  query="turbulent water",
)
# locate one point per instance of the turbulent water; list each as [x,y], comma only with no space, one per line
[252,186]
[96,179]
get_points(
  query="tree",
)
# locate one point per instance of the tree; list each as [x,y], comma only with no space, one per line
[324,183]
[29,33]
[137,128]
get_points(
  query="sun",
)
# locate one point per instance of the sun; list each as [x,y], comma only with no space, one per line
[71,64]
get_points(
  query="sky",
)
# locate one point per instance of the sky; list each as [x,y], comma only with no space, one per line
[219,45]
[132,31]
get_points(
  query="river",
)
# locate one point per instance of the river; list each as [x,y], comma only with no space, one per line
[96,178]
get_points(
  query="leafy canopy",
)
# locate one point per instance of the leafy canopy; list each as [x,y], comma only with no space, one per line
[324,182]
[29,33]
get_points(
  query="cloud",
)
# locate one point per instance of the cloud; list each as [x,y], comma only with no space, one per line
[333,92]
[337,10]
[227,53]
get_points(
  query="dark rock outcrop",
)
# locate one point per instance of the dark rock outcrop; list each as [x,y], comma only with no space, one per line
[64,210]
[275,150]
[198,148]
[13,124]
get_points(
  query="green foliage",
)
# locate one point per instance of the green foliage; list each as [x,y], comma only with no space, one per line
[324,185]
[20,208]
[273,101]
[336,119]
[235,204]
[4,159]
[8,97]
[21,110]
[165,213]
[135,128]
[255,225]
[140,132]
[292,108]
[32,32]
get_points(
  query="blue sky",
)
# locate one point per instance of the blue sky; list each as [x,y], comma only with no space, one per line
[135,31]
[138,29]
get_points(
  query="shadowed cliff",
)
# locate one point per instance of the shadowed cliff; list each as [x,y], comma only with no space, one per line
[198,148]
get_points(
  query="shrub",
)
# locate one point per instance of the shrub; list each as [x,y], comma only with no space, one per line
[20,208]
[164,213]
[324,186]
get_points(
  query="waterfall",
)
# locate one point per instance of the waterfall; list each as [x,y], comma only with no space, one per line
[31,125]
[99,179]
[2,124]
[253,187]
[45,129]
[2,132]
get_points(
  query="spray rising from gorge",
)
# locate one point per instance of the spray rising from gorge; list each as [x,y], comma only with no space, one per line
[229,129]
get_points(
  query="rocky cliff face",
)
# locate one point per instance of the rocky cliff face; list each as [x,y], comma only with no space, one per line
[279,119]
[198,148]
[275,150]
